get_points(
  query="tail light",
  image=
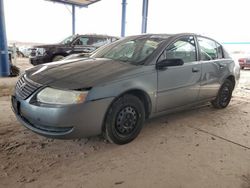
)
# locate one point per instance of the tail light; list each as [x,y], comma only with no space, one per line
[242,60]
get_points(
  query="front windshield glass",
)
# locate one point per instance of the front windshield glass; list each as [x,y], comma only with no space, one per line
[68,39]
[134,51]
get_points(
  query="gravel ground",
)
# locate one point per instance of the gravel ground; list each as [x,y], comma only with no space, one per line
[202,147]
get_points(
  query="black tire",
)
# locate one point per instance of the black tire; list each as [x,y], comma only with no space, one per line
[242,68]
[224,95]
[124,120]
[57,58]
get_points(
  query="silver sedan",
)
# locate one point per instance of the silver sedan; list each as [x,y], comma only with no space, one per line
[121,85]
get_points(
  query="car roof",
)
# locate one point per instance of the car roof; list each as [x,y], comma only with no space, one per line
[165,35]
[176,35]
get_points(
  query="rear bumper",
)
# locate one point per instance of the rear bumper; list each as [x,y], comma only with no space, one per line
[68,122]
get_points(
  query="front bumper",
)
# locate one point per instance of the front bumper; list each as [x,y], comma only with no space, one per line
[64,122]
[37,60]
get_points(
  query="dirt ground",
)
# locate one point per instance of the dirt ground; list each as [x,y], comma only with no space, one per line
[203,147]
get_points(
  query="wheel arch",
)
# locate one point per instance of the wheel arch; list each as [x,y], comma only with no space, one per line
[142,95]
[62,54]
[53,56]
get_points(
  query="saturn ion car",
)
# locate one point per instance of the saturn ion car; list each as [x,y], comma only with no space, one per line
[121,85]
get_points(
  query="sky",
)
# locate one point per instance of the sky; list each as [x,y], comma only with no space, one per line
[47,22]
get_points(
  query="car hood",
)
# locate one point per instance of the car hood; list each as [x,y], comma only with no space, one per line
[78,74]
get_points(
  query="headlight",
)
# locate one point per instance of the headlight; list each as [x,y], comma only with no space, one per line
[56,96]
[40,51]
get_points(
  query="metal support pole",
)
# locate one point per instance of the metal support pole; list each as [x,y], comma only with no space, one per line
[144,16]
[73,20]
[4,60]
[124,4]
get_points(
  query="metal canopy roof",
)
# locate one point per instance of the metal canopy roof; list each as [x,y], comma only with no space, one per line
[74,3]
[80,3]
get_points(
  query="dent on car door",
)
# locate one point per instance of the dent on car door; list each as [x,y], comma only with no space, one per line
[213,65]
[179,85]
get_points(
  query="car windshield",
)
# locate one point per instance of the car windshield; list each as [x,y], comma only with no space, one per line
[68,39]
[134,50]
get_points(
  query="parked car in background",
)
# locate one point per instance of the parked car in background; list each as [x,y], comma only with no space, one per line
[244,62]
[16,50]
[81,55]
[25,50]
[71,45]
[122,84]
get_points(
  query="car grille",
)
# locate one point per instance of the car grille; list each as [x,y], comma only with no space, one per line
[25,87]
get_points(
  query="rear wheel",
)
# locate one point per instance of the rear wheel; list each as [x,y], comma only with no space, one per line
[57,58]
[124,120]
[242,68]
[224,95]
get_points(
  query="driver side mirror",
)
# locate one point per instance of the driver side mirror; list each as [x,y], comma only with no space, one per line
[169,63]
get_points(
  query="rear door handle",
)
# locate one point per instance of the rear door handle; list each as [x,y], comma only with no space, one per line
[195,69]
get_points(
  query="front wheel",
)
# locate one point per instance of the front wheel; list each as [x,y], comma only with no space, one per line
[124,120]
[224,95]
[242,68]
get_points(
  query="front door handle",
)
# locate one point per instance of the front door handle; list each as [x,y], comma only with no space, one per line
[195,69]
